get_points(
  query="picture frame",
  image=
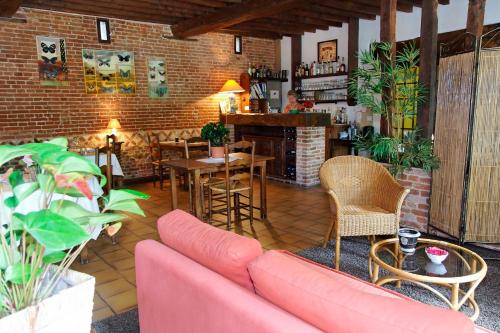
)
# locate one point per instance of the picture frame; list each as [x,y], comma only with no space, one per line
[327,51]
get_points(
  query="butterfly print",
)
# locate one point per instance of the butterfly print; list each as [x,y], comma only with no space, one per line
[48,48]
[153,76]
[106,77]
[152,69]
[47,60]
[126,89]
[107,89]
[104,62]
[91,87]
[161,73]
[123,58]
[88,55]
[124,74]
[162,81]
[161,64]
[50,74]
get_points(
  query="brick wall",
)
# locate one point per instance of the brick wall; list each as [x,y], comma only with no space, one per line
[195,72]
[310,154]
[415,210]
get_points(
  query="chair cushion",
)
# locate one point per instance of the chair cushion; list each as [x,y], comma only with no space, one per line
[334,303]
[361,220]
[362,210]
[221,251]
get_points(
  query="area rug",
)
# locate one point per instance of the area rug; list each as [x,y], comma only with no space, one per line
[354,260]
[354,254]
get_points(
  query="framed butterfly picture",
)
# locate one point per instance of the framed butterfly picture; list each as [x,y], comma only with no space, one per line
[157,78]
[51,60]
[108,72]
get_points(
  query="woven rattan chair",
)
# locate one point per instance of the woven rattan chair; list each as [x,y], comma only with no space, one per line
[365,200]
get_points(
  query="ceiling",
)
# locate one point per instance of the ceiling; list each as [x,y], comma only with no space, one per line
[259,18]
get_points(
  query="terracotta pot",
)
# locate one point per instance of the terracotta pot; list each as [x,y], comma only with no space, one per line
[217,152]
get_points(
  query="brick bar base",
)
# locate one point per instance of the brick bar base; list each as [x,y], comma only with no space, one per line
[310,154]
[415,210]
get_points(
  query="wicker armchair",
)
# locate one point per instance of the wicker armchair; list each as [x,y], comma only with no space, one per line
[365,200]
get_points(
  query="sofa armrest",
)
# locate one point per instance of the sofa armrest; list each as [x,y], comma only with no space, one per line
[177,295]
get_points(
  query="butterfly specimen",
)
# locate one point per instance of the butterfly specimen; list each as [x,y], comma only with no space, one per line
[89,71]
[47,60]
[125,74]
[106,77]
[152,69]
[48,48]
[162,81]
[161,64]
[90,87]
[88,55]
[126,89]
[50,74]
[104,62]
[152,75]
[161,73]
[123,58]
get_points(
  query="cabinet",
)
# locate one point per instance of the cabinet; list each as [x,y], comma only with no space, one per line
[270,146]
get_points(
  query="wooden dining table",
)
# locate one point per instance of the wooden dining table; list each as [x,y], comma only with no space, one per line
[198,168]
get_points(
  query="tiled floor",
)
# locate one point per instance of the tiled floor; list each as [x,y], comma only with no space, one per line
[298,219]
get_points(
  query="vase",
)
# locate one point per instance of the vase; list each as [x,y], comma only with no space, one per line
[68,309]
[217,152]
[408,239]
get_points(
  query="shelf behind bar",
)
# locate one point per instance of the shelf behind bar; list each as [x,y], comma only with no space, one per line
[334,101]
[309,90]
[322,75]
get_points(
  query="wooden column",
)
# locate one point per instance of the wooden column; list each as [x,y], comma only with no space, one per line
[387,34]
[296,57]
[352,50]
[428,65]
[475,17]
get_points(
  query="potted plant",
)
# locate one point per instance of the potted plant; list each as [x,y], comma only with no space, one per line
[216,133]
[391,89]
[38,291]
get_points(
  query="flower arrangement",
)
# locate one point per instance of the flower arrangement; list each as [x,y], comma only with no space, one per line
[37,248]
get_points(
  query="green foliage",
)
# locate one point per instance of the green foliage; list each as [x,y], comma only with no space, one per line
[58,231]
[216,133]
[379,83]
[414,151]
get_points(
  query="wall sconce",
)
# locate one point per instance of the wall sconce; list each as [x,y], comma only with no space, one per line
[113,125]
[103,31]
[238,44]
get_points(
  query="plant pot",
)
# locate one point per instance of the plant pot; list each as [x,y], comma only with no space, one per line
[67,310]
[408,239]
[217,152]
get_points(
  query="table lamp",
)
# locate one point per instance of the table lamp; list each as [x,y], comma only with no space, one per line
[230,88]
[114,124]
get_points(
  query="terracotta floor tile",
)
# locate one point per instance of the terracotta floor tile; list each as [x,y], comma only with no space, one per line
[123,301]
[102,314]
[106,276]
[112,288]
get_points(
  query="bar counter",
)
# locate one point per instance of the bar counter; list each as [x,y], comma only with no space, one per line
[303,119]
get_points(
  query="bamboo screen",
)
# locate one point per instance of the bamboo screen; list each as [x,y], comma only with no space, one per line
[483,200]
[450,145]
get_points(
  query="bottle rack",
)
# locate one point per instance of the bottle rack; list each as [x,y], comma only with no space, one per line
[290,152]
[323,91]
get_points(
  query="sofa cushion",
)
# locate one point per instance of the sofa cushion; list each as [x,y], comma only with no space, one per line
[221,251]
[334,303]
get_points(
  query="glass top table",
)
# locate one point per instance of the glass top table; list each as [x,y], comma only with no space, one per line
[461,271]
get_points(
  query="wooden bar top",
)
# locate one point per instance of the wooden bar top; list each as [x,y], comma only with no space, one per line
[305,119]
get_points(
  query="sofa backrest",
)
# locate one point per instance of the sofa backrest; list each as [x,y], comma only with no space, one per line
[223,252]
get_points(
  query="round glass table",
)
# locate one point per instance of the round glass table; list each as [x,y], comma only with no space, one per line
[461,271]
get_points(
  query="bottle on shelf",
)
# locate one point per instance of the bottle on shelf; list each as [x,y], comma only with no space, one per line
[307,70]
[342,68]
[313,68]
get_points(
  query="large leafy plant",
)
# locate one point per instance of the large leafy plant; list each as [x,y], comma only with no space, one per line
[37,248]
[390,88]
[216,133]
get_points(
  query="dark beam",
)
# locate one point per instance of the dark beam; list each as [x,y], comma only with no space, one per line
[352,50]
[296,57]
[428,65]
[9,7]
[232,15]
[475,17]
[253,33]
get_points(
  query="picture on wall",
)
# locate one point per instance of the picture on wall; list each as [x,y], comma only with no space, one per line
[157,78]
[51,59]
[327,51]
[108,72]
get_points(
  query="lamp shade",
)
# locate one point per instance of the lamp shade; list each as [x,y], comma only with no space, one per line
[114,123]
[231,86]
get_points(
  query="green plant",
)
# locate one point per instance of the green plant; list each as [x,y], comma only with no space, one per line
[37,248]
[386,87]
[216,133]
[411,151]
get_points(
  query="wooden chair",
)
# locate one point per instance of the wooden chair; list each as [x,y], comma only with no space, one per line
[158,167]
[107,169]
[238,181]
[365,200]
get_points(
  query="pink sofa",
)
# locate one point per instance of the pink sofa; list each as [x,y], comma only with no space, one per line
[203,279]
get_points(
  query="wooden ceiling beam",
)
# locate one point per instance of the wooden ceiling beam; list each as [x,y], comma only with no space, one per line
[307,20]
[350,7]
[324,16]
[291,24]
[253,33]
[325,8]
[249,26]
[232,15]
[9,7]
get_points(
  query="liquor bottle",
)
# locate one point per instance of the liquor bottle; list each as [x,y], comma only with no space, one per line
[307,70]
[249,70]
[342,68]
[254,70]
[302,70]
[313,68]
[330,67]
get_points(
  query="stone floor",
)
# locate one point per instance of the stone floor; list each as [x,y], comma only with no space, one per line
[298,219]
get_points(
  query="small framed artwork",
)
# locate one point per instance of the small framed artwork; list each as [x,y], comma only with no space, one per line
[327,51]
[51,60]
[103,33]
[238,45]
